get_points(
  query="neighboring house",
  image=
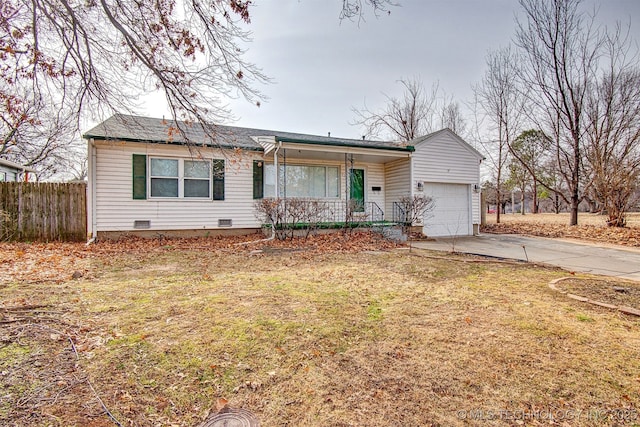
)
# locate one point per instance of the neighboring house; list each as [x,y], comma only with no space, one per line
[144,178]
[10,171]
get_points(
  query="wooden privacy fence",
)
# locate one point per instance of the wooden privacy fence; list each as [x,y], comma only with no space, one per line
[33,211]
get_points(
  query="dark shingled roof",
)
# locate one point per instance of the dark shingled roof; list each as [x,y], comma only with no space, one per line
[145,129]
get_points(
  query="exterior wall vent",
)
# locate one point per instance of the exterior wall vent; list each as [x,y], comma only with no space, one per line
[142,225]
[225,223]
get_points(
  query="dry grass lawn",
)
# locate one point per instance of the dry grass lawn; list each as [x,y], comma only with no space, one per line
[373,338]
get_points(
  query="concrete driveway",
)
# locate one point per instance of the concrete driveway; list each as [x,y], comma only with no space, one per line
[569,255]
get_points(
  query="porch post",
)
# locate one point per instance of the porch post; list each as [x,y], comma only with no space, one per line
[346,188]
[275,165]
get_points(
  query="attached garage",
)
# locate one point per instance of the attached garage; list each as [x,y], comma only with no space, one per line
[452,213]
[142,183]
[447,168]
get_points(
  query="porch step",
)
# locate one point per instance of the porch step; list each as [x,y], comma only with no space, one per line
[393,232]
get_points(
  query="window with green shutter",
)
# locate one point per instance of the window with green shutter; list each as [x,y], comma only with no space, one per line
[139,177]
[258,179]
[218,179]
[176,178]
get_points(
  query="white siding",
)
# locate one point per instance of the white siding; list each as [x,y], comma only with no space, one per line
[398,183]
[8,173]
[116,210]
[444,158]
[374,177]
[475,204]
[448,168]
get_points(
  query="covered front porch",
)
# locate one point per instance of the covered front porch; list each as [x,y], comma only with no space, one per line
[329,183]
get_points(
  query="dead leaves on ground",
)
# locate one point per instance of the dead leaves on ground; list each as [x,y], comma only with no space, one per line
[629,236]
[61,262]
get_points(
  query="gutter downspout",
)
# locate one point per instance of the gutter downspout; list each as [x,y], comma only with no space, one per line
[275,165]
[413,184]
[91,190]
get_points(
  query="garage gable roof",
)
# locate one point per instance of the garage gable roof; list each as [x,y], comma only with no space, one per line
[425,140]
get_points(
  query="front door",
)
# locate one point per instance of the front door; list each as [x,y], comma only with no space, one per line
[356,191]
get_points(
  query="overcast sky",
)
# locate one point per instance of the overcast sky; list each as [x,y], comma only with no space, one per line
[322,67]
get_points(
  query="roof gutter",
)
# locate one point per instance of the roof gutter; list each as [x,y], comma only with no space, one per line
[408,148]
[158,141]
[91,202]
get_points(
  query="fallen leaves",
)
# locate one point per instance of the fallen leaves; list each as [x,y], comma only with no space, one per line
[291,339]
[61,262]
[42,262]
[629,236]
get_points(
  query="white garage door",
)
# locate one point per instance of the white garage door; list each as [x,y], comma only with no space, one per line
[452,214]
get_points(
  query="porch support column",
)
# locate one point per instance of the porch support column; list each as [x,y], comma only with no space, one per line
[275,165]
[346,188]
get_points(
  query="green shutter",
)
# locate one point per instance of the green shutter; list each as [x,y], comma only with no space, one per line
[139,177]
[218,179]
[258,179]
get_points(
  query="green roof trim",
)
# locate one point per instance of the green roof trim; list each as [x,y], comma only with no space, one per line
[163,141]
[336,143]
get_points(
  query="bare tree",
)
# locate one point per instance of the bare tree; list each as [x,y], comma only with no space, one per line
[62,59]
[106,52]
[416,209]
[40,138]
[78,170]
[519,180]
[65,58]
[531,150]
[561,48]
[352,9]
[613,132]
[451,117]
[404,118]
[503,104]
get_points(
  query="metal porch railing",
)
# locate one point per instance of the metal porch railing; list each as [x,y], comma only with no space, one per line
[329,213]
[399,215]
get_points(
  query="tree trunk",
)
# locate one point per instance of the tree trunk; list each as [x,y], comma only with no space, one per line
[535,197]
[574,209]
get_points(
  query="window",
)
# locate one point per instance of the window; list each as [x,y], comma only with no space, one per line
[303,181]
[177,178]
[196,178]
[164,178]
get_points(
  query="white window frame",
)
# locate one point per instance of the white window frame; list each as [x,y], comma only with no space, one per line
[180,178]
[310,165]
